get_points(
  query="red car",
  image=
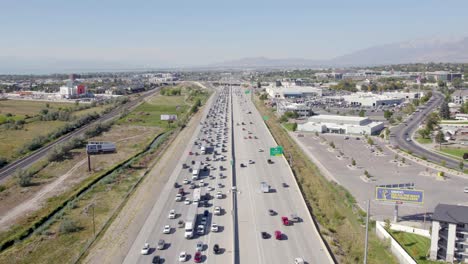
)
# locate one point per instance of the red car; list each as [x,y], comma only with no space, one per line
[197,258]
[190,153]
[278,235]
[250,137]
[285,220]
[181,191]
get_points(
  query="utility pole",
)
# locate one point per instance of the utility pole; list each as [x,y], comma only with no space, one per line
[367,232]
[89,162]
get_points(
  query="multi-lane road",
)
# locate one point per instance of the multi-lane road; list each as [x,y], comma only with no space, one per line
[245,209]
[403,132]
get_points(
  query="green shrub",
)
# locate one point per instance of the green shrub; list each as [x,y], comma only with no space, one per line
[68,226]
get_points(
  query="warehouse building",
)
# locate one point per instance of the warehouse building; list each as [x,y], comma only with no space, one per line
[292,91]
[341,125]
[283,106]
[449,236]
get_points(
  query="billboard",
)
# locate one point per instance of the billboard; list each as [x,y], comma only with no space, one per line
[168,117]
[386,194]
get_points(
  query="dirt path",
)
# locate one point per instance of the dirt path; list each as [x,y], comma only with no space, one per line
[36,201]
[113,246]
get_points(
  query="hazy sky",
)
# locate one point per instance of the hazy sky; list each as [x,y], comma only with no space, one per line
[197,32]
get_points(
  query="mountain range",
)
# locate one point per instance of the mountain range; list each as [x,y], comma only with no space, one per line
[416,51]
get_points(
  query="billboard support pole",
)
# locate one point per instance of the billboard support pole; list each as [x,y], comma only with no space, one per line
[395,213]
[367,232]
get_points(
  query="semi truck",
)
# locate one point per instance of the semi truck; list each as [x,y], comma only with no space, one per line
[190,221]
[196,170]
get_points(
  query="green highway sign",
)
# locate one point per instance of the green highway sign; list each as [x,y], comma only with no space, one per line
[247,91]
[276,151]
[265,118]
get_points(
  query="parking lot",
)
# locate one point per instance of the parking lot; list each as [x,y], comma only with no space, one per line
[383,169]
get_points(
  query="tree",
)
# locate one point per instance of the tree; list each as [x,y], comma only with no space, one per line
[353,162]
[263,96]
[424,133]
[444,111]
[23,177]
[332,144]
[362,113]
[68,226]
[464,108]
[441,83]
[461,165]
[294,127]
[440,138]
[457,83]
[370,141]
[432,120]
[3,162]
[388,114]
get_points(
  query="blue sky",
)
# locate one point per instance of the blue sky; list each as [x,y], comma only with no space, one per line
[179,32]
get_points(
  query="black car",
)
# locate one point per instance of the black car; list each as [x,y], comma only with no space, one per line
[265,235]
[156,259]
[242,165]
[270,161]
[206,213]
[271,212]
[285,185]
[216,249]
[176,185]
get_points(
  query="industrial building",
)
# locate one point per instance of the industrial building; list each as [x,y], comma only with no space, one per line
[376,100]
[73,89]
[449,236]
[341,125]
[283,106]
[444,75]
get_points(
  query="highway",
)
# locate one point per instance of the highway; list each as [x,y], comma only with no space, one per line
[403,131]
[27,161]
[151,231]
[299,239]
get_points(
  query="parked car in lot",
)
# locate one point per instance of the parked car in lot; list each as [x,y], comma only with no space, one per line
[199,246]
[197,257]
[183,256]
[278,235]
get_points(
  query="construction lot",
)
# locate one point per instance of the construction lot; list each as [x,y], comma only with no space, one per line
[383,169]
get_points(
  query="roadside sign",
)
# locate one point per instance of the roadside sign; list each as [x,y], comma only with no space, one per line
[247,91]
[265,118]
[385,194]
[276,151]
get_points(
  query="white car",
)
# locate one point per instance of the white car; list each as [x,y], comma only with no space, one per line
[217,210]
[260,150]
[183,256]
[199,246]
[201,229]
[219,195]
[187,201]
[210,188]
[465,190]
[167,229]
[172,214]
[186,181]
[299,261]
[251,162]
[214,227]
[145,249]
[178,197]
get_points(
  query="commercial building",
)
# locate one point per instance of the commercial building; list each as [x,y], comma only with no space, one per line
[449,236]
[292,91]
[72,89]
[444,75]
[460,97]
[341,125]
[283,106]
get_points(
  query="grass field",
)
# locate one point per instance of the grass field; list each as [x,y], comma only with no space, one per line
[458,152]
[421,140]
[23,107]
[288,126]
[341,221]
[417,246]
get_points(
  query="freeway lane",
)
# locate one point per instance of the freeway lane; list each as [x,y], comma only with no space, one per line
[151,231]
[402,132]
[27,161]
[299,239]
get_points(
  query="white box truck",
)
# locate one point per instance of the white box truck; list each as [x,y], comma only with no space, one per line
[196,170]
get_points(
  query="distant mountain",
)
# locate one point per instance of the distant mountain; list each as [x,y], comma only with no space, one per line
[422,50]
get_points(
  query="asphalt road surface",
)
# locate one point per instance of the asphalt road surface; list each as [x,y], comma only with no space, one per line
[27,161]
[151,232]
[404,131]
[299,239]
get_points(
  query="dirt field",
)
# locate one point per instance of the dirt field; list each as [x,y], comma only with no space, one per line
[57,178]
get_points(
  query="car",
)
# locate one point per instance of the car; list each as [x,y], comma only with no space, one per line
[210,188]
[285,185]
[271,212]
[206,213]
[217,210]
[242,165]
[285,220]
[199,246]
[201,229]
[465,190]
[178,197]
[161,244]
[251,162]
[269,161]
[192,186]
[183,256]
[216,249]
[265,235]
[346,138]
[181,224]
[172,214]
[278,235]
[299,261]
[214,227]
[197,257]
[156,260]
[145,250]
[186,181]
[295,218]
[167,229]
[408,139]
[260,150]
[190,153]
[204,220]
[176,185]
[358,138]
[187,201]
[300,135]
[181,191]
[219,195]
[220,185]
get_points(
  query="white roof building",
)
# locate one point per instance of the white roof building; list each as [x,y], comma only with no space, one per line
[292,91]
[341,125]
